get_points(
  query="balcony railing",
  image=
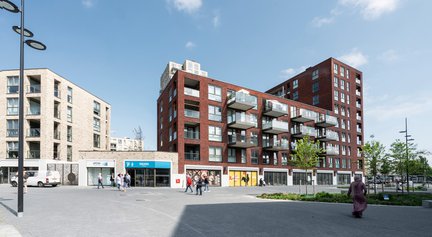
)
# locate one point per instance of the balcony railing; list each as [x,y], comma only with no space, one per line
[301,131]
[275,127]
[359,130]
[33,111]
[12,132]
[358,81]
[191,135]
[358,93]
[359,117]
[303,115]
[241,120]
[241,101]
[33,154]
[57,114]
[57,93]
[358,105]
[33,132]
[275,108]
[191,113]
[34,89]
[325,120]
[331,150]
[191,92]
[276,145]
[242,141]
[327,135]
[57,135]
[192,156]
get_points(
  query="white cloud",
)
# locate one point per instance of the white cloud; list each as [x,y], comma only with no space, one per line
[389,56]
[216,20]
[190,45]
[388,107]
[188,6]
[286,73]
[88,3]
[355,58]
[372,9]
[320,21]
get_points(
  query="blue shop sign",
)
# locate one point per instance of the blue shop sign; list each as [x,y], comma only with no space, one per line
[147,164]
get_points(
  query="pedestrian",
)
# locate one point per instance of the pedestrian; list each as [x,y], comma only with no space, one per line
[357,190]
[188,183]
[119,181]
[125,182]
[206,184]
[199,186]
[100,179]
[128,179]
[112,180]
[261,182]
[25,177]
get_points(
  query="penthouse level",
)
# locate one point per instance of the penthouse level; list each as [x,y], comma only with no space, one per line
[236,135]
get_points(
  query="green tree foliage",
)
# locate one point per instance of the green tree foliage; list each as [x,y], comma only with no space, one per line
[374,153]
[306,154]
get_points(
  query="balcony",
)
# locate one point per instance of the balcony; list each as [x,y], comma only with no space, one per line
[241,121]
[12,133]
[275,127]
[241,101]
[192,156]
[359,118]
[33,132]
[191,113]
[301,131]
[327,135]
[358,105]
[57,135]
[303,115]
[359,143]
[325,120]
[33,89]
[359,130]
[191,135]
[276,145]
[275,109]
[242,141]
[358,93]
[33,111]
[191,92]
[33,154]
[331,151]
[358,81]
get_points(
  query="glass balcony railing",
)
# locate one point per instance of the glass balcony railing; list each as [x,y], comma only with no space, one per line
[191,92]
[33,154]
[34,89]
[331,150]
[303,115]
[242,118]
[328,135]
[303,131]
[358,105]
[358,81]
[242,140]
[57,135]
[277,144]
[191,135]
[326,120]
[242,101]
[192,156]
[276,125]
[191,113]
[12,132]
[358,93]
[33,111]
[275,108]
[33,132]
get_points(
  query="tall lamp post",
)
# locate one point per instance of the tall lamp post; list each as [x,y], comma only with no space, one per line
[23,32]
[407,153]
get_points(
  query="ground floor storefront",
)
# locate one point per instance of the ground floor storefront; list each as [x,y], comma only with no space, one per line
[149,173]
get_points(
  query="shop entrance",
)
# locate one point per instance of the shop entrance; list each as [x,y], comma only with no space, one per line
[93,173]
[239,178]
[275,178]
[149,177]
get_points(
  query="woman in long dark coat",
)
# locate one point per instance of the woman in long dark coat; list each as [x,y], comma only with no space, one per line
[357,190]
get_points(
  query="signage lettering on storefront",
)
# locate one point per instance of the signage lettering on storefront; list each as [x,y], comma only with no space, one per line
[148,164]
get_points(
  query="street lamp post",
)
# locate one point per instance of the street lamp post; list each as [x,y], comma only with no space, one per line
[407,153]
[10,6]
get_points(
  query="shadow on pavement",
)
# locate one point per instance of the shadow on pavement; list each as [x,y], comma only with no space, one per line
[7,207]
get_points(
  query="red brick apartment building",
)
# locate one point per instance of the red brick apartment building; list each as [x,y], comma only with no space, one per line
[236,135]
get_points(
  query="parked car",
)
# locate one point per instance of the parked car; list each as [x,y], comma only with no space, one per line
[39,178]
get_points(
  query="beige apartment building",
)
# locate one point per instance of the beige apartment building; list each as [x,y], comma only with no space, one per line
[60,119]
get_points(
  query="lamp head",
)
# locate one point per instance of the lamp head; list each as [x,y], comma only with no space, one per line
[9,6]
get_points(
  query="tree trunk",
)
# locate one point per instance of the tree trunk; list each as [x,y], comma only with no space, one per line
[306,181]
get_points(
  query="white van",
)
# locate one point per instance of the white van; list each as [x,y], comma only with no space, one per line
[39,178]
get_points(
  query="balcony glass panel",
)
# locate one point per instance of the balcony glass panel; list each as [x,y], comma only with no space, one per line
[33,154]
[276,124]
[192,156]
[33,132]
[191,92]
[244,98]
[191,135]
[191,113]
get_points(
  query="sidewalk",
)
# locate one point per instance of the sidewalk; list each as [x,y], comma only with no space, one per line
[8,231]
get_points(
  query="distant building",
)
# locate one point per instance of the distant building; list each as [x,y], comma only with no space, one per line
[60,119]
[126,144]
[236,135]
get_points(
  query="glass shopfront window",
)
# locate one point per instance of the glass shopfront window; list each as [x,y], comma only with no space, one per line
[325,179]
[214,176]
[297,177]
[343,179]
[243,178]
[275,178]
[149,177]
[93,173]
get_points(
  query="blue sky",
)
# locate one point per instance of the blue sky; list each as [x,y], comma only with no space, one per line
[118,50]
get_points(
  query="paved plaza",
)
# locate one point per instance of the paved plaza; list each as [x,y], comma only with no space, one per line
[87,211]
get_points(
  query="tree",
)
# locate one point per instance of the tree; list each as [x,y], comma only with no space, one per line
[374,152]
[385,168]
[398,153]
[306,155]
